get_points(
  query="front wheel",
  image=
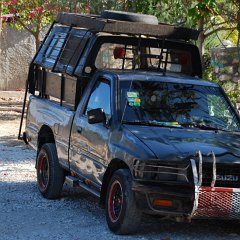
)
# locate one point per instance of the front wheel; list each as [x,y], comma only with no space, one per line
[122,214]
[50,175]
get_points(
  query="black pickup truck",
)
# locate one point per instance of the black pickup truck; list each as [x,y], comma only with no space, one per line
[118,108]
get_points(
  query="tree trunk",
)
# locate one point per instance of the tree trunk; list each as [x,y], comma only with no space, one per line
[238,40]
[125,5]
[37,40]
[1,21]
[37,35]
[201,37]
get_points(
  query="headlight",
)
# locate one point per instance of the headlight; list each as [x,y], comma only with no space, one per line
[158,171]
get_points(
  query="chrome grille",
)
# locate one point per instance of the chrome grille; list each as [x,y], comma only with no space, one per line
[221,170]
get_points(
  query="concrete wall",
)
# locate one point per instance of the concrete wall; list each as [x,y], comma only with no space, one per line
[225,62]
[226,68]
[16,51]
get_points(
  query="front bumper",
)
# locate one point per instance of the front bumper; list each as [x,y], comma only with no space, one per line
[189,200]
[181,198]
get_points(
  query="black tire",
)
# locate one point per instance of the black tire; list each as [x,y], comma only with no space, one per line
[50,175]
[128,16]
[123,216]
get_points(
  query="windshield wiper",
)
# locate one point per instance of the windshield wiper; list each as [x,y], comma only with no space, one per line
[153,123]
[203,126]
[136,122]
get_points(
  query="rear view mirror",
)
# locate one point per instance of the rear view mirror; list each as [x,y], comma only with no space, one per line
[96,116]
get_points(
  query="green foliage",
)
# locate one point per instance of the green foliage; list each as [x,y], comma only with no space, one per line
[207,67]
[166,10]
[29,15]
[203,8]
[32,12]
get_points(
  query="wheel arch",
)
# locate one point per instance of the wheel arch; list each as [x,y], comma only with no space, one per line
[45,135]
[114,165]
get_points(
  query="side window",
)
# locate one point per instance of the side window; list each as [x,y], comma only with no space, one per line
[54,47]
[51,48]
[100,98]
[72,51]
[62,49]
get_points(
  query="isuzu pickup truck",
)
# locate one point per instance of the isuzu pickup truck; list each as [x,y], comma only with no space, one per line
[118,108]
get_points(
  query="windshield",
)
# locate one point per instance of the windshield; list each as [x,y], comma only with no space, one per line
[176,105]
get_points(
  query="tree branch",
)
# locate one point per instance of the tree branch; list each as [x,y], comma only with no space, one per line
[219,29]
[221,23]
[23,24]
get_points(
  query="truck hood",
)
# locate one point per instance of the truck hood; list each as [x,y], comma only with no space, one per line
[172,143]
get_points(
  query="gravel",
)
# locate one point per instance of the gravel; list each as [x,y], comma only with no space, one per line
[25,214]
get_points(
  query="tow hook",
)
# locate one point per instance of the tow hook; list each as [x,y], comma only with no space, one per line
[184,219]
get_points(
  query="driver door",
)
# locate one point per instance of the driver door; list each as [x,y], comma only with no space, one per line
[89,143]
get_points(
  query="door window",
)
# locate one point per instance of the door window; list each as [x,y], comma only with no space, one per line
[100,98]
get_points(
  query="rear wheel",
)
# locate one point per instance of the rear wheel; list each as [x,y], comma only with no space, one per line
[50,175]
[123,217]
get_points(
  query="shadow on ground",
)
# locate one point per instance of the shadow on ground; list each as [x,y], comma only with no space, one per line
[77,213]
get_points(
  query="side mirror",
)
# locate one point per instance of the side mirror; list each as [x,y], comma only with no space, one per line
[96,116]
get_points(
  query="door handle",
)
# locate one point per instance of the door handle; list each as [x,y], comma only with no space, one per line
[79,130]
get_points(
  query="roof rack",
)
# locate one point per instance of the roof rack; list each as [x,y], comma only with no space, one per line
[97,24]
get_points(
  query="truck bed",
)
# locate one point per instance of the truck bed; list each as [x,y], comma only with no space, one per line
[44,114]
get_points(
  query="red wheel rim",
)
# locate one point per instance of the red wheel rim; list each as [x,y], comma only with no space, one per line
[43,171]
[115,201]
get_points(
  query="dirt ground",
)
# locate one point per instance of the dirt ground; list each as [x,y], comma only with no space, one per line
[25,214]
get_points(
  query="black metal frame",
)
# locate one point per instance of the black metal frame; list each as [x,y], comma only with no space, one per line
[31,74]
[98,24]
